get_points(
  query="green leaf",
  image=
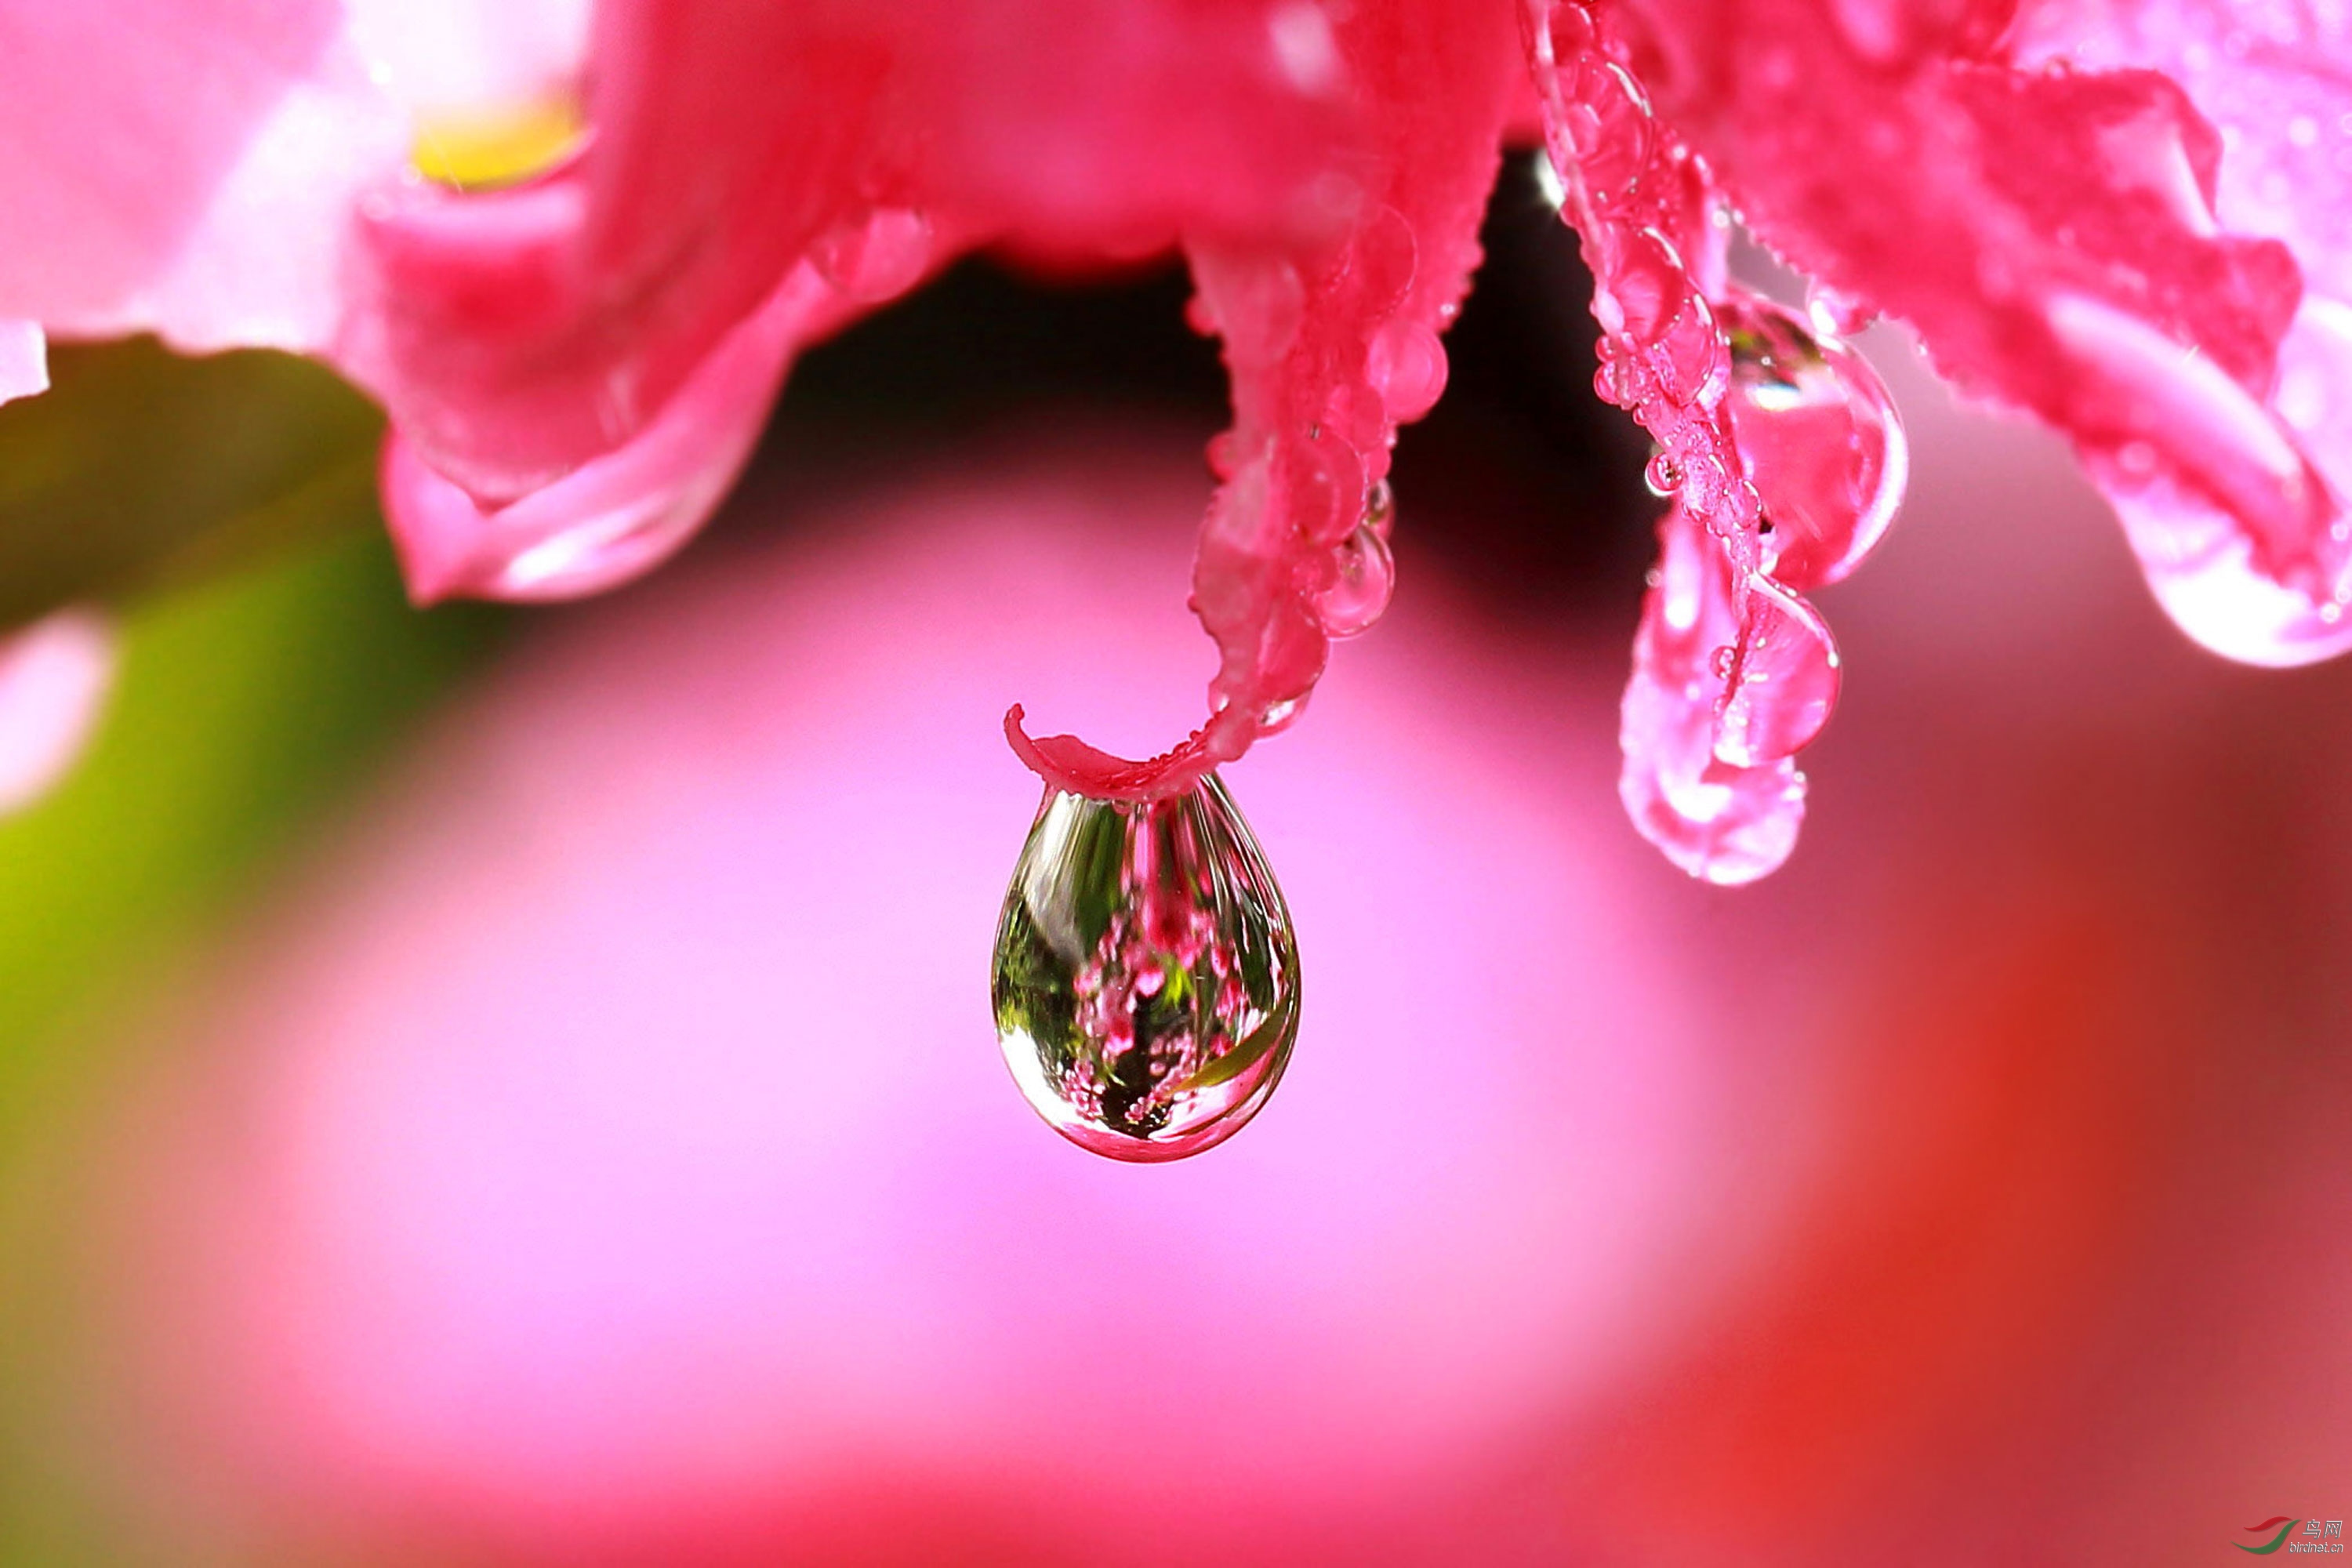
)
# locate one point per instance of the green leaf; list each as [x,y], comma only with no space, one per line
[140,469]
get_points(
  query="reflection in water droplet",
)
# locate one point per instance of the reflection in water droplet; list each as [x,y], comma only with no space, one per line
[1146,980]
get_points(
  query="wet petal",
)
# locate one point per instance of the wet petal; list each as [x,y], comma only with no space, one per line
[2055,236]
[187,167]
[621,514]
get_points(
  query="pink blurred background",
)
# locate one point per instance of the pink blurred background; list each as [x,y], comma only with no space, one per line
[591,1144]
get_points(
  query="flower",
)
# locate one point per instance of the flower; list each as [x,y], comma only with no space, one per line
[2119,217]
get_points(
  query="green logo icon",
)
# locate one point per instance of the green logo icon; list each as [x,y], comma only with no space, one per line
[2282,1524]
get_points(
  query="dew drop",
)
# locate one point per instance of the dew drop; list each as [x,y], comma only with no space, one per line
[1609,122]
[1406,365]
[1819,437]
[1145,979]
[1663,475]
[1380,507]
[1783,681]
[1645,289]
[1363,576]
[1280,715]
[876,256]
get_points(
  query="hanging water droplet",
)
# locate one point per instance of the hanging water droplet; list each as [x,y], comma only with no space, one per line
[1783,680]
[1146,981]
[1406,365]
[1819,437]
[875,256]
[1363,576]
[1663,475]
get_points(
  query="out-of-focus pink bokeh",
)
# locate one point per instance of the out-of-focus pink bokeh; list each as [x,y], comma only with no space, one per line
[603,1154]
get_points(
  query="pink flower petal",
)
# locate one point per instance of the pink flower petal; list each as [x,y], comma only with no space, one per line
[515,335]
[1331,343]
[2055,237]
[186,167]
[53,676]
[620,513]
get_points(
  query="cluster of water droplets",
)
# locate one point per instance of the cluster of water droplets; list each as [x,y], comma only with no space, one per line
[1146,982]
[1775,444]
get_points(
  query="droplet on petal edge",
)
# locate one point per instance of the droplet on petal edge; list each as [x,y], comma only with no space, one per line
[1146,977]
[1819,437]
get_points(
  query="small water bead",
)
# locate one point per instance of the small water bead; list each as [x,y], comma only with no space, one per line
[1567,33]
[1146,978]
[1782,682]
[1645,287]
[1818,437]
[1327,486]
[1364,576]
[1280,715]
[1406,365]
[1663,475]
[1608,121]
[1380,507]
[1692,361]
[876,256]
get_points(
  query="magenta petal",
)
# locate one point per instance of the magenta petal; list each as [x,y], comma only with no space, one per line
[24,360]
[53,676]
[622,513]
[188,167]
[2082,243]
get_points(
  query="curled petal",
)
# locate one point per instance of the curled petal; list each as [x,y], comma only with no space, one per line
[54,677]
[622,512]
[1330,341]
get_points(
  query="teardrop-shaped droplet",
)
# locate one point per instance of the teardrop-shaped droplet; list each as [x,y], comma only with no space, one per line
[1819,437]
[1146,981]
[1780,683]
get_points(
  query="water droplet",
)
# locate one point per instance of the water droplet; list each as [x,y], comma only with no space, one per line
[1146,980]
[1380,507]
[876,256]
[1645,289]
[1406,366]
[1609,122]
[1663,475]
[1327,486]
[1363,576]
[1783,679]
[1819,437]
[1692,365]
[1280,714]
[1567,33]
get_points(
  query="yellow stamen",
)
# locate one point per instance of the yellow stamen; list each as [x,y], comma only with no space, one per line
[482,150]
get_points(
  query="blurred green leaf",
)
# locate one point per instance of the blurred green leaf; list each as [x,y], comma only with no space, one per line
[241,706]
[139,469]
